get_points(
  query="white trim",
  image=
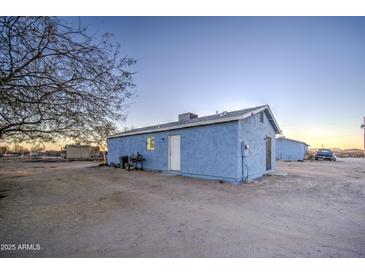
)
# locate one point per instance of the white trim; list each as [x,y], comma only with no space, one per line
[273,119]
[169,151]
[292,140]
[209,122]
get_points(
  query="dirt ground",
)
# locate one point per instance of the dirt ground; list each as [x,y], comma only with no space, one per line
[76,209]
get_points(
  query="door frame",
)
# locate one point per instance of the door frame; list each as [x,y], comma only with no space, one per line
[268,148]
[169,152]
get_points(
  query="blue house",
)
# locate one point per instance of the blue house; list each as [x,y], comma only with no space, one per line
[290,150]
[230,146]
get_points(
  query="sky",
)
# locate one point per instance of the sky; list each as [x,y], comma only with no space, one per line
[310,70]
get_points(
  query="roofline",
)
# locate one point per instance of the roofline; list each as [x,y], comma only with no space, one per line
[202,123]
[277,128]
[297,141]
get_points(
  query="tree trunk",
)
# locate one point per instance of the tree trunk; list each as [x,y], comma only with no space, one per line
[104,156]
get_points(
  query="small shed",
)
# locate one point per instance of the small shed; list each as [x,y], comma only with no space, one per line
[229,146]
[290,150]
[78,152]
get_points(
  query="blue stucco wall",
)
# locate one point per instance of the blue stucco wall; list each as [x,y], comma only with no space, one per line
[155,159]
[209,152]
[253,132]
[206,152]
[287,150]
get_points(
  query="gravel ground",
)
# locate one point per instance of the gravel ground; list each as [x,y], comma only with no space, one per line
[78,209]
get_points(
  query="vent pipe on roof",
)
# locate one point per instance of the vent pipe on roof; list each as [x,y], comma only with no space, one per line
[221,114]
[184,117]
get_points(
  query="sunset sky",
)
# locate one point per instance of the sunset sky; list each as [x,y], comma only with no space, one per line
[310,70]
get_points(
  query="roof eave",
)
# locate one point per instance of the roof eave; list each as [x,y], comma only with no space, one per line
[202,123]
[296,141]
[216,121]
[272,120]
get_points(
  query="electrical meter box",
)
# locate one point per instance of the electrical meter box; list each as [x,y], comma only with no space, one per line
[244,149]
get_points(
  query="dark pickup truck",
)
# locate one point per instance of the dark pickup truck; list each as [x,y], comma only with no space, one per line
[325,154]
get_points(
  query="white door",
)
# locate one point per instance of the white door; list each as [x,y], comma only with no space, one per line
[174,152]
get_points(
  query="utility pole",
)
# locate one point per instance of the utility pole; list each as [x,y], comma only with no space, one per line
[363,127]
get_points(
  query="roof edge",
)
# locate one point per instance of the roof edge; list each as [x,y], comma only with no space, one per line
[202,123]
[293,140]
[216,121]
[273,121]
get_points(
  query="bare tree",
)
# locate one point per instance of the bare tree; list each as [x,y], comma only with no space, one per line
[3,150]
[37,147]
[98,136]
[56,80]
[19,149]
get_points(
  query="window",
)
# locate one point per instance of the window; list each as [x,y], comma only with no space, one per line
[261,117]
[151,143]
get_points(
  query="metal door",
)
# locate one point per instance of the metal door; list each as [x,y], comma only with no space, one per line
[174,152]
[268,153]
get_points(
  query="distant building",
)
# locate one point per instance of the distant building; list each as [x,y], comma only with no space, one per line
[78,152]
[290,150]
[81,152]
[51,153]
[33,154]
[230,146]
